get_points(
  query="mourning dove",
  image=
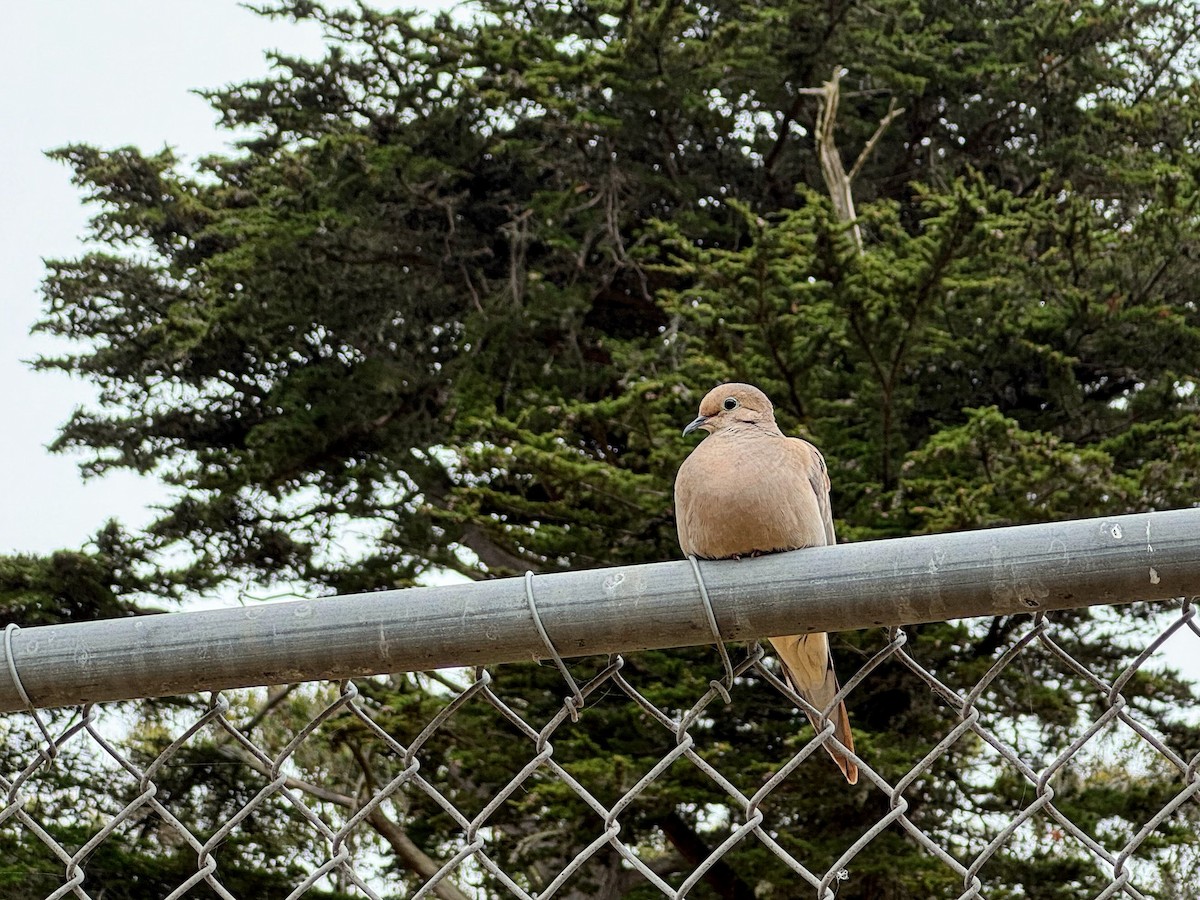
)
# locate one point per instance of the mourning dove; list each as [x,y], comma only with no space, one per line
[749,489]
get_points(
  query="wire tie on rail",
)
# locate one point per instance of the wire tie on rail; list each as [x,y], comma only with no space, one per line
[574,703]
[9,630]
[722,687]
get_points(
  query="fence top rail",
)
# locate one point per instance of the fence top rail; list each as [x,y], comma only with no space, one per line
[1000,571]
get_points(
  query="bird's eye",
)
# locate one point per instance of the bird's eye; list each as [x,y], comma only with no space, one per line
[730,403]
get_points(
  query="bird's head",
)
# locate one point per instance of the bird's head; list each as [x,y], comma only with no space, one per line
[733,404]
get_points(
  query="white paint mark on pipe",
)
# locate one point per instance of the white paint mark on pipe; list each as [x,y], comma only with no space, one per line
[613,581]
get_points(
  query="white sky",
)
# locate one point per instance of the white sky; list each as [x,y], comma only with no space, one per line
[109,73]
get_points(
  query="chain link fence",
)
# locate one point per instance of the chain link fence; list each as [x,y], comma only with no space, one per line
[35,798]
[202,778]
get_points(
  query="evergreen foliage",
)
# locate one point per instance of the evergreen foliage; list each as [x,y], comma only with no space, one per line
[468,277]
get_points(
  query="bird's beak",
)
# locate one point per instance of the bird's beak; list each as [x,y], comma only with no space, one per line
[697,422]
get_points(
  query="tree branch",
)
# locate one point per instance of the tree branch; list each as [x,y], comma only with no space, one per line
[408,854]
[837,182]
[721,877]
[832,170]
[891,114]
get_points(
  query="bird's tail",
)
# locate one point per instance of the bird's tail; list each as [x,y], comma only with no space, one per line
[809,665]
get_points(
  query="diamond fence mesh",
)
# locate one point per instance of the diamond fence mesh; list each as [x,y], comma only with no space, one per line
[367,788]
[345,827]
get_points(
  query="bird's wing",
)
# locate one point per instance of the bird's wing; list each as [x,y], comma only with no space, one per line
[810,460]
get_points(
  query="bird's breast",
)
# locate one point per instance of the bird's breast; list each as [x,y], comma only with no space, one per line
[737,497]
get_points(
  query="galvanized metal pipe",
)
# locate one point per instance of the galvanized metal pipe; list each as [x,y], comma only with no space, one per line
[1001,571]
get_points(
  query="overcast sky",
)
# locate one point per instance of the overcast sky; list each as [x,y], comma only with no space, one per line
[109,73]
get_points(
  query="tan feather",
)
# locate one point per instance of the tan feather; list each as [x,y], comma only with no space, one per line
[747,489]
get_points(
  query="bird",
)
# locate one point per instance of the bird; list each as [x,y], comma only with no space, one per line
[749,489]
